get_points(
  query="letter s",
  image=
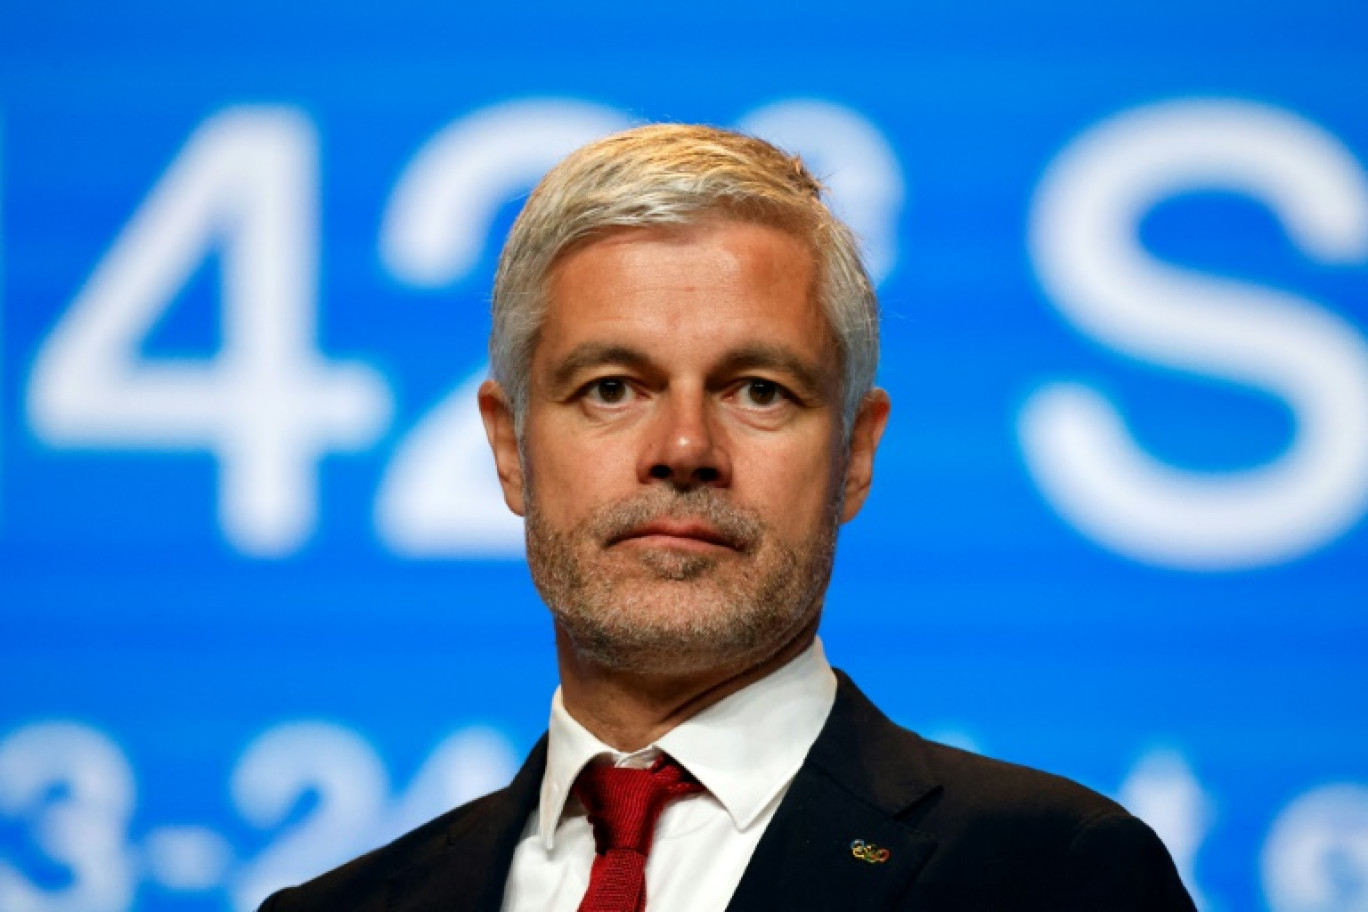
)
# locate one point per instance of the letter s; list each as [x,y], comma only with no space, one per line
[1083,241]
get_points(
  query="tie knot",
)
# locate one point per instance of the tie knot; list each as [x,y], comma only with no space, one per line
[624,804]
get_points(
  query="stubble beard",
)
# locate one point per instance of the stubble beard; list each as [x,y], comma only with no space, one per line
[673,612]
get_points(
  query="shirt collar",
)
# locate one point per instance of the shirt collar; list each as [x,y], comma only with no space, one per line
[745,749]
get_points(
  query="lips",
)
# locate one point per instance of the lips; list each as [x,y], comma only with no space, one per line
[678,532]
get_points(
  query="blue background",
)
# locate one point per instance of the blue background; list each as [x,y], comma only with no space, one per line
[965,602]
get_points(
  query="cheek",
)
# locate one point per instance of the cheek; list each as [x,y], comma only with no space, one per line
[572,476]
[793,487]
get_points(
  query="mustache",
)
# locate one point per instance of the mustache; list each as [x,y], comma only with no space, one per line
[738,527]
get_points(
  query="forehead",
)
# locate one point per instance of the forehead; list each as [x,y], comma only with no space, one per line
[709,286]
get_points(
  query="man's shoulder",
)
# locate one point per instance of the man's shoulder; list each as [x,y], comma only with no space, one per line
[973,783]
[451,854]
[365,881]
[994,829]
[864,743]
[951,790]
[1006,829]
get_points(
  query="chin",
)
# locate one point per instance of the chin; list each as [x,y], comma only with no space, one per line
[662,656]
[673,628]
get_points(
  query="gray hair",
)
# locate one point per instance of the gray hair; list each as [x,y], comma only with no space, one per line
[677,174]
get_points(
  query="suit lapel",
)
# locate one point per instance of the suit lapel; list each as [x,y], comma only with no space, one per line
[468,873]
[861,774]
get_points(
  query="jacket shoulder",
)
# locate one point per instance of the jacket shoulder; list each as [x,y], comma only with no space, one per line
[364,882]
[1009,830]
[923,781]
[461,854]
[974,787]
[1005,835]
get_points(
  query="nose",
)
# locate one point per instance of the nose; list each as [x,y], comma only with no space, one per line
[685,447]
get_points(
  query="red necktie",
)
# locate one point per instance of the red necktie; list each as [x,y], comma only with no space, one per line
[623,806]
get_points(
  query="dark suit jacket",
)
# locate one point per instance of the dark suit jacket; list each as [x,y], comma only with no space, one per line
[962,832]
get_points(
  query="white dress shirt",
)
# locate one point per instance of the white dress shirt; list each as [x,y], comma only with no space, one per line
[745,750]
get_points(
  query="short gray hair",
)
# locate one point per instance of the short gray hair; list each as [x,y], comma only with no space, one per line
[677,174]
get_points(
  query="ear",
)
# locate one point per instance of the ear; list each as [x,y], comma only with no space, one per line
[497,415]
[864,440]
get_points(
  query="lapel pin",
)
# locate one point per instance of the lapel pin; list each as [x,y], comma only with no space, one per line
[868,852]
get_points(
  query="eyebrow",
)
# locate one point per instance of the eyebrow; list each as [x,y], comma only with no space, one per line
[596,354]
[748,357]
[776,358]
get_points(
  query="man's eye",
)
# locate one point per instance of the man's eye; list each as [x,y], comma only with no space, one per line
[761,392]
[608,391]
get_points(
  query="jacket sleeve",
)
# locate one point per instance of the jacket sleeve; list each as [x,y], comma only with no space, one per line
[1117,863]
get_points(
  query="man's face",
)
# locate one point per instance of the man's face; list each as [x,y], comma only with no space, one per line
[682,468]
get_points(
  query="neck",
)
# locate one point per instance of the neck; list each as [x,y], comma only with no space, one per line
[630,710]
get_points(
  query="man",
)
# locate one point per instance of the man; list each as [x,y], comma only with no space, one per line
[683,410]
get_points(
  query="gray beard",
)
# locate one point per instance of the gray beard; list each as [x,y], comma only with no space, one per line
[673,612]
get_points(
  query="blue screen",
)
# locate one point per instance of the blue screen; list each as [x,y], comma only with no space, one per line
[261,604]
